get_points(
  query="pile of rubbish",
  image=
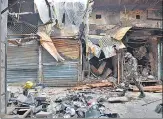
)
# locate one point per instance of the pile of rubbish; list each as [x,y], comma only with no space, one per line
[79,105]
[84,101]
[35,103]
[31,101]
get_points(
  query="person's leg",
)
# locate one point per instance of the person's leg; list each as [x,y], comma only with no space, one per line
[126,86]
[140,87]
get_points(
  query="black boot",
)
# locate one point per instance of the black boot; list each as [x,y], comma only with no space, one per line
[142,95]
[124,92]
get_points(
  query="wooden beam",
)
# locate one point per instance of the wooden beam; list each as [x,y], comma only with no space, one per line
[149,88]
[93,85]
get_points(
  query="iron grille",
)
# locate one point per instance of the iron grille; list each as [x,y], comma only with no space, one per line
[16,26]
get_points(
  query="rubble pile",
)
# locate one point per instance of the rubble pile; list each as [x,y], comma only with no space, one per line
[86,103]
[79,105]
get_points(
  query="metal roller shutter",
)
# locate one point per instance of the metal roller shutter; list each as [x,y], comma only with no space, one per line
[22,62]
[62,73]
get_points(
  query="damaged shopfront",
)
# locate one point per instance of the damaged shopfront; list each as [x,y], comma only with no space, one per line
[65,47]
[145,44]
[105,54]
[31,60]
[143,39]
[45,48]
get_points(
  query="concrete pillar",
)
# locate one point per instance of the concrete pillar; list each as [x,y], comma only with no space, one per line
[3,39]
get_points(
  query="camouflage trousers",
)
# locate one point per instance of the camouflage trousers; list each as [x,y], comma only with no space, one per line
[132,76]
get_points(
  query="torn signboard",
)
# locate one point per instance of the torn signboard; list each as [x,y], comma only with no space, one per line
[107,44]
[47,43]
[103,43]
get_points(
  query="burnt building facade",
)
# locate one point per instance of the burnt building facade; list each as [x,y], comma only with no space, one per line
[135,26]
[27,56]
[143,40]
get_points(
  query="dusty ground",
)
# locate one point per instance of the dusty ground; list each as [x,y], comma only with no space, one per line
[132,109]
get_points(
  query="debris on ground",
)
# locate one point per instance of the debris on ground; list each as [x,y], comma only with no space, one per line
[19,112]
[159,109]
[93,85]
[157,88]
[42,114]
[85,101]
[74,103]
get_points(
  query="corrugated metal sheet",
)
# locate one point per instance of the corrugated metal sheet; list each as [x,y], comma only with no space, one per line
[106,44]
[121,32]
[62,73]
[69,49]
[48,44]
[22,62]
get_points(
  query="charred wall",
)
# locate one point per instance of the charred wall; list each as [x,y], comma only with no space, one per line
[108,14]
[144,47]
